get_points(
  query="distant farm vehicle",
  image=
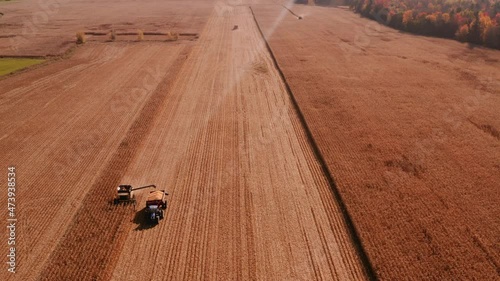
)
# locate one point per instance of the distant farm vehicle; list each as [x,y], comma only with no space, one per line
[155,205]
[125,193]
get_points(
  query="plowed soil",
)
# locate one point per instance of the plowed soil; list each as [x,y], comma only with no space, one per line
[408,126]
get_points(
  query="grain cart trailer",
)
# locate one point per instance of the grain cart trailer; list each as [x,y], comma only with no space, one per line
[155,205]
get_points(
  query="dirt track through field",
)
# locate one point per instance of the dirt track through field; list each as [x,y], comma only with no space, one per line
[248,199]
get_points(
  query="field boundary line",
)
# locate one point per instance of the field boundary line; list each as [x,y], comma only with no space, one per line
[351,228]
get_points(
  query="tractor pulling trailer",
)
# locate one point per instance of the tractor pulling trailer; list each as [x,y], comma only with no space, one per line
[156,203]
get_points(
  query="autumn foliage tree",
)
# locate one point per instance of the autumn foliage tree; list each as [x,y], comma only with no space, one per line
[474,21]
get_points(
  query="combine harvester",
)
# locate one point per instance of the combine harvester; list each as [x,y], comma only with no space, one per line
[155,205]
[156,202]
[126,195]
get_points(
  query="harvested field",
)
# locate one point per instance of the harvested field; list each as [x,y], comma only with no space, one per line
[41,28]
[408,126]
[246,142]
[233,213]
[67,123]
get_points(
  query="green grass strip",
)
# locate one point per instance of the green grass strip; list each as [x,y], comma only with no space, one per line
[8,65]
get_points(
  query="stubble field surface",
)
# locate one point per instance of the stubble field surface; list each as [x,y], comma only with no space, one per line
[407,127]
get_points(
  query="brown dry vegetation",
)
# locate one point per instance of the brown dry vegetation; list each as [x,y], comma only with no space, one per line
[408,127]
[112,35]
[140,35]
[80,37]
[172,36]
[64,154]
[203,135]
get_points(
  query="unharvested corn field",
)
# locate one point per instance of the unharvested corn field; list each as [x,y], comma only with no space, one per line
[325,148]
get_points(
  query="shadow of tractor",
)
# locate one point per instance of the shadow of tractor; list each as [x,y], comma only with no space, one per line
[142,220]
